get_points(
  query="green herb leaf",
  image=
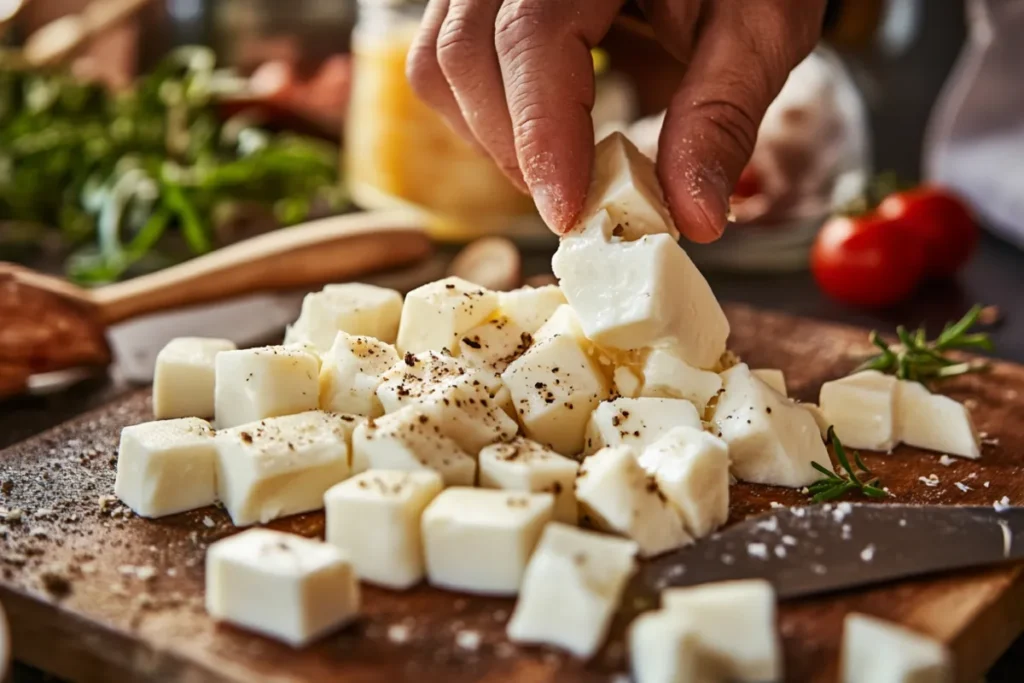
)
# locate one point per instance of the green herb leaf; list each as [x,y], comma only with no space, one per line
[834,485]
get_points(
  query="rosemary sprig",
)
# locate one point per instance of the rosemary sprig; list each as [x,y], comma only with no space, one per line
[916,358]
[835,485]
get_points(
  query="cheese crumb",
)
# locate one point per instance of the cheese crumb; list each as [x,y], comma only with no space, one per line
[208,522]
[945,460]
[780,551]
[788,540]
[962,486]
[758,550]
[986,484]
[468,640]
[1002,505]
[776,504]
[398,633]
[868,553]
[931,480]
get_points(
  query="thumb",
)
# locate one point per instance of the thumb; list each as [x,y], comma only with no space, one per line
[740,63]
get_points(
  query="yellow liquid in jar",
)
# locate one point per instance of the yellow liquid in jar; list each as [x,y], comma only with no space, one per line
[400,152]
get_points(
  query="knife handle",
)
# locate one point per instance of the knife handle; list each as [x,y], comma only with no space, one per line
[327,250]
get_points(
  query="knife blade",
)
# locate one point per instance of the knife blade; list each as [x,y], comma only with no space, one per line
[814,550]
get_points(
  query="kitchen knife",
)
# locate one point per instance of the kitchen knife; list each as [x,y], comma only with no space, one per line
[806,551]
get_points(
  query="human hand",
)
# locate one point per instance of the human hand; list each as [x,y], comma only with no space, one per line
[515,78]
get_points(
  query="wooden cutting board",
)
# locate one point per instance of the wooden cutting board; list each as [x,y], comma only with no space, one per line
[97,594]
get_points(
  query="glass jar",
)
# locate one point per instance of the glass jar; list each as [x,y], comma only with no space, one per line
[400,152]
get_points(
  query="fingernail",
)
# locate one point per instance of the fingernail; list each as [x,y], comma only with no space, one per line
[712,198]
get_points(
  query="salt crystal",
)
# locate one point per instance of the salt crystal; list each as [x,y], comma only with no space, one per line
[468,640]
[208,522]
[770,525]
[903,522]
[962,486]
[986,484]
[868,553]
[788,540]
[398,633]
[728,559]
[780,551]
[798,512]
[758,550]
[945,461]
[846,532]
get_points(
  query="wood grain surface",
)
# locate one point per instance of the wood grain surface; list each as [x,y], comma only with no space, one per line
[97,594]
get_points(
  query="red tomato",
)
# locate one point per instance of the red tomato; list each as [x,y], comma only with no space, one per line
[867,261]
[941,221]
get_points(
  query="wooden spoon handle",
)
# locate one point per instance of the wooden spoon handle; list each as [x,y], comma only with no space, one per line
[328,250]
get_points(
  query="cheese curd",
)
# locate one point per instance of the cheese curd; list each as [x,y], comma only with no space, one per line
[666,375]
[436,315]
[652,296]
[664,648]
[862,409]
[555,386]
[281,466]
[776,379]
[166,467]
[625,184]
[563,321]
[494,344]
[934,422]
[480,540]
[637,422]
[626,383]
[877,651]
[351,372]
[571,589]
[411,439]
[358,309]
[253,384]
[524,465]
[284,586]
[530,307]
[183,379]
[771,440]
[375,518]
[691,467]
[736,626]
[616,495]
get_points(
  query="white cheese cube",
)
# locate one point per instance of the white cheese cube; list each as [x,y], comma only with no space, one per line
[524,465]
[771,440]
[626,382]
[691,467]
[351,372]
[494,344]
[819,417]
[666,375]
[436,315]
[877,651]
[183,380]
[934,422]
[563,321]
[625,184]
[480,540]
[421,376]
[643,293]
[530,307]
[284,586]
[411,439]
[555,386]
[735,626]
[665,648]
[280,466]
[167,467]
[571,589]
[616,495]
[776,379]
[253,384]
[637,422]
[355,308]
[862,408]
[375,518]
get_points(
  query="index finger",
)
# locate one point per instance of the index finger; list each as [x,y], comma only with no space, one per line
[544,51]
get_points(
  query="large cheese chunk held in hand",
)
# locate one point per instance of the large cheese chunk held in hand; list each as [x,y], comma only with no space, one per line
[571,589]
[771,440]
[934,422]
[351,372]
[637,422]
[691,467]
[253,384]
[555,386]
[616,495]
[879,651]
[862,409]
[411,439]
[436,315]
[281,466]
[359,309]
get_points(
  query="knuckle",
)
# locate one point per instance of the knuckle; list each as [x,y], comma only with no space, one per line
[523,21]
[422,70]
[458,47]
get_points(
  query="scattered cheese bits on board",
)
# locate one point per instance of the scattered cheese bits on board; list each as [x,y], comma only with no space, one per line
[480,540]
[183,380]
[284,586]
[375,518]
